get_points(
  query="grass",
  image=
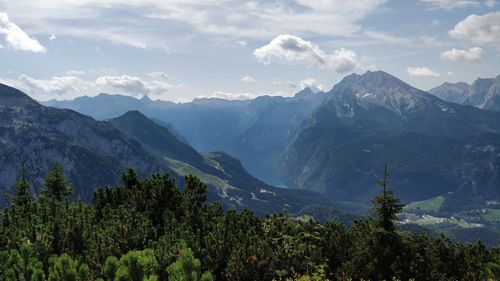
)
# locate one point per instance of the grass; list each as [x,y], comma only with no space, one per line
[492,215]
[212,162]
[185,169]
[434,221]
[430,205]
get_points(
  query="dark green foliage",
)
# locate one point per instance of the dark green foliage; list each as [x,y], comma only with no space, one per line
[151,230]
[20,265]
[22,195]
[137,266]
[56,188]
[63,268]
[110,268]
[187,268]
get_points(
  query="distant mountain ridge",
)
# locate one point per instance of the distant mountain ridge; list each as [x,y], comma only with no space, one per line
[254,131]
[100,107]
[484,93]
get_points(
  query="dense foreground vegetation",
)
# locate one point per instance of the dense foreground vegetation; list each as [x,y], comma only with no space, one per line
[152,230]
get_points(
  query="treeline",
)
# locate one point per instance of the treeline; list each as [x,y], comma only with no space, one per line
[152,230]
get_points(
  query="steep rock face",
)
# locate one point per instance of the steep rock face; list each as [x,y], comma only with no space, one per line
[493,96]
[452,92]
[432,147]
[479,93]
[484,93]
[37,137]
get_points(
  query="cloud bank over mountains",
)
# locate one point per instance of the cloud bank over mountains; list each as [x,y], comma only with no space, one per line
[291,48]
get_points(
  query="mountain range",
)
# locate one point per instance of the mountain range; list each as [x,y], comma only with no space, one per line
[34,138]
[335,143]
[484,93]
[254,131]
[433,147]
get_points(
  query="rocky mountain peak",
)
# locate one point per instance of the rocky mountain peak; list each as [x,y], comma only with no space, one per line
[304,93]
[146,99]
[381,89]
[370,79]
[452,92]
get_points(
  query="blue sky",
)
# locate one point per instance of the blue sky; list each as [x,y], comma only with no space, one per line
[182,49]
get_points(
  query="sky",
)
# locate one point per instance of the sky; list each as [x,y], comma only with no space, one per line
[179,50]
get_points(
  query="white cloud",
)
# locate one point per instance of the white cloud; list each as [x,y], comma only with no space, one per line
[52,37]
[17,38]
[159,75]
[473,54]
[450,4]
[135,85]
[129,84]
[387,38]
[313,84]
[241,95]
[157,88]
[102,71]
[74,83]
[56,87]
[286,83]
[295,49]
[231,96]
[249,80]
[490,3]
[422,72]
[147,21]
[383,37]
[75,73]
[242,43]
[430,41]
[481,30]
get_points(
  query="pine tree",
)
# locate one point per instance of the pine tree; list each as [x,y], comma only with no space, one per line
[137,266]
[110,267]
[386,205]
[387,242]
[22,195]
[63,268]
[187,268]
[56,187]
[193,198]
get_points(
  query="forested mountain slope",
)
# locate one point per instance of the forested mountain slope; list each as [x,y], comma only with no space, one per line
[434,147]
